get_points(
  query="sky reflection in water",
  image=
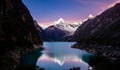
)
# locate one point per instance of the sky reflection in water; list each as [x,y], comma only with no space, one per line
[60,56]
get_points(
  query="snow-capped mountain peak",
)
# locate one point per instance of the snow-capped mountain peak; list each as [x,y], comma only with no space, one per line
[61,24]
[61,20]
[91,16]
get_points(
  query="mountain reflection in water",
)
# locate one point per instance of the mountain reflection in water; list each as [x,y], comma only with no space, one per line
[60,56]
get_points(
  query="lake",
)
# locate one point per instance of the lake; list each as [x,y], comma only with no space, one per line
[60,56]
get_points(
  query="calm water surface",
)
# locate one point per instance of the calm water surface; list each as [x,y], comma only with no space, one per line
[60,56]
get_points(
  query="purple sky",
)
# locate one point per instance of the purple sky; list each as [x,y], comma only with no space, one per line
[48,11]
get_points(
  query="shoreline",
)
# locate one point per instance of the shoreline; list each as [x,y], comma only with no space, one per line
[107,57]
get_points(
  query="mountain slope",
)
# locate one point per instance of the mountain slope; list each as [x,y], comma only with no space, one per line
[53,33]
[16,21]
[65,28]
[101,37]
[59,31]
[96,25]
[61,24]
[39,29]
[17,34]
[110,34]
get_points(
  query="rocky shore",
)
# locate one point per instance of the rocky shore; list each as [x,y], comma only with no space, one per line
[11,56]
[107,57]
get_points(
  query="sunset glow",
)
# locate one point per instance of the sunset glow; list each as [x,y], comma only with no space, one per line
[48,11]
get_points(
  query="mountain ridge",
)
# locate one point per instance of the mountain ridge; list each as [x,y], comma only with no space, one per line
[90,27]
[101,37]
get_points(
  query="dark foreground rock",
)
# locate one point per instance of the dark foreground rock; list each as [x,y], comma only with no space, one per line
[107,57]
[16,57]
[17,35]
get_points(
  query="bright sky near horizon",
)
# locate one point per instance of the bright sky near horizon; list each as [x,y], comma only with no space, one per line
[48,11]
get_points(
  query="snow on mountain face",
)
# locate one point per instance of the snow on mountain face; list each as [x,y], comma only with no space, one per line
[75,25]
[61,24]
[90,16]
[59,21]
[43,26]
[71,27]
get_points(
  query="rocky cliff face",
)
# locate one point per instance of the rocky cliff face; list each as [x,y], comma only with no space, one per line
[17,33]
[39,30]
[95,27]
[16,21]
